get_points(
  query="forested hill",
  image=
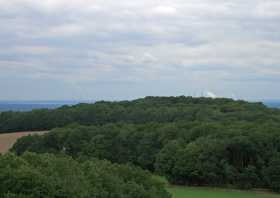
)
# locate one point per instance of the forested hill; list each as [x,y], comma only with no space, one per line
[190,141]
[149,109]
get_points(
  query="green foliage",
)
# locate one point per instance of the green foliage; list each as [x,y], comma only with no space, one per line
[58,176]
[273,173]
[194,141]
[236,154]
[149,109]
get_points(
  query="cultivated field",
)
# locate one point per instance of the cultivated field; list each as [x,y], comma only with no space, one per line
[181,192]
[8,139]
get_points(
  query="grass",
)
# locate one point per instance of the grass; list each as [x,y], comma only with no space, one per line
[8,139]
[193,192]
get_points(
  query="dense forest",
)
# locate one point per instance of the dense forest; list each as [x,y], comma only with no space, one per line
[59,176]
[149,109]
[190,141]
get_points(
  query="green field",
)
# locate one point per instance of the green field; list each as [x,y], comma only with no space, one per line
[182,192]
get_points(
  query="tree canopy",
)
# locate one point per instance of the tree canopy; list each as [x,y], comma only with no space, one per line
[149,109]
[59,176]
[190,141]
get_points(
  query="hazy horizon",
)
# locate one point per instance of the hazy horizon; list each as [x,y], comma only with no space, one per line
[31,105]
[71,101]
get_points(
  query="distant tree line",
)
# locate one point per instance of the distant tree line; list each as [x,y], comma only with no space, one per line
[190,141]
[149,109]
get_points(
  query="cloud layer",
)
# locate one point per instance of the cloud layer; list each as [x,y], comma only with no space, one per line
[125,49]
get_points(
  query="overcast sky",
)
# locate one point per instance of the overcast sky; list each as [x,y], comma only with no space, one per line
[108,49]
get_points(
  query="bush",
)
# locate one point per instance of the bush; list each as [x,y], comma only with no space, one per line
[52,176]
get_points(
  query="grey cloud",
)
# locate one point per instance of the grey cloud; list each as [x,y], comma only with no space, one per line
[198,42]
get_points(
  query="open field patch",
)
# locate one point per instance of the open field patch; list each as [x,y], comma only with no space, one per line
[8,139]
[193,192]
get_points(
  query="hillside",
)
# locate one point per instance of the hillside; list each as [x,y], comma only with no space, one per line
[149,109]
[190,141]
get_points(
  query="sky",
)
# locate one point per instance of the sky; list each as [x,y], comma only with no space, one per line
[112,50]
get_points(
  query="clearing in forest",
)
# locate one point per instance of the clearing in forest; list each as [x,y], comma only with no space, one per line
[8,139]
